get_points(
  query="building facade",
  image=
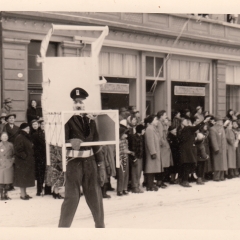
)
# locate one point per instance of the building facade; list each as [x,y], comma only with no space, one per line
[152,61]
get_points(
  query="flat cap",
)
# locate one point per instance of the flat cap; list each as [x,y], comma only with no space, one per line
[78,93]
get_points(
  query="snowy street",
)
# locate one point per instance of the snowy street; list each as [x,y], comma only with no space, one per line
[216,205]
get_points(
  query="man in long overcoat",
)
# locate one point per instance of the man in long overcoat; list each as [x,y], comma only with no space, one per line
[231,150]
[153,163]
[165,151]
[218,148]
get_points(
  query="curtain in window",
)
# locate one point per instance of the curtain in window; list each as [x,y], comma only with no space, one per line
[129,65]
[194,70]
[116,64]
[184,70]
[204,72]
[233,97]
[103,63]
[174,69]
[237,75]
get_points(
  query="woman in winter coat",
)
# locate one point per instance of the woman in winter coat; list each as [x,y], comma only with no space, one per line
[38,138]
[202,156]
[208,171]
[176,119]
[187,148]
[33,112]
[6,165]
[153,163]
[24,161]
[174,145]
[231,150]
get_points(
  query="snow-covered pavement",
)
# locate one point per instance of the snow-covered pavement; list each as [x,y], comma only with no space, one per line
[215,205]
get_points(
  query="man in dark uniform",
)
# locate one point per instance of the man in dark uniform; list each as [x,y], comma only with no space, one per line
[84,165]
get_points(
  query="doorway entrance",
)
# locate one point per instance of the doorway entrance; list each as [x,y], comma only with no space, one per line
[189,101]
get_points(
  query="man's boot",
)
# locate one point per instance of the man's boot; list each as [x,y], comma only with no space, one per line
[104,191]
[1,194]
[109,186]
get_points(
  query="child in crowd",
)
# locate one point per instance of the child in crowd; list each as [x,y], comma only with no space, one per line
[123,171]
[137,161]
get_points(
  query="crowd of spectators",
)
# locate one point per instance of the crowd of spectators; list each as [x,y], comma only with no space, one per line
[189,147]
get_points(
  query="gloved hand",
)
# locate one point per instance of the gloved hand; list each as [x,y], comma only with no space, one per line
[153,156]
[101,173]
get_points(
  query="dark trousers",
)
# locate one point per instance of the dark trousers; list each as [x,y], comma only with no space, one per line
[136,170]
[150,179]
[161,176]
[200,169]
[40,174]
[122,178]
[187,168]
[82,172]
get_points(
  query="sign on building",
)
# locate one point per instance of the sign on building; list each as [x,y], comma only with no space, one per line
[189,91]
[115,88]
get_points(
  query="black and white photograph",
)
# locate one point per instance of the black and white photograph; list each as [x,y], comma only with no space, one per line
[122,119]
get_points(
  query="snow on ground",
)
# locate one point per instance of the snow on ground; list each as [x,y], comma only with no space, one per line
[216,205]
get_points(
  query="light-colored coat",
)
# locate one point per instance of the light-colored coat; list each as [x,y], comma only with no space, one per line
[165,150]
[231,149]
[218,143]
[152,140]
[6,162]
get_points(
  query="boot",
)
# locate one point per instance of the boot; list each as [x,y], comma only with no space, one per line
[200,181]
[2,194]
[104,191]
[47,190]
[109,187]
[6,197]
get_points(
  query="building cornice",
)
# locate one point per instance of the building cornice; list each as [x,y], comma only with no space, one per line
[168,25]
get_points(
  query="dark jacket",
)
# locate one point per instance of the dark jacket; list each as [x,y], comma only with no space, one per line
[174,145]
[12,132]
[38,138]
[33,113]
[24,161]
[201,151]
[187,147]
[87,132]
[39,147]
[138,145]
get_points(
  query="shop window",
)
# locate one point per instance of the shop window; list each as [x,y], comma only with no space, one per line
[153,65]
[233,74]
[233,97]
